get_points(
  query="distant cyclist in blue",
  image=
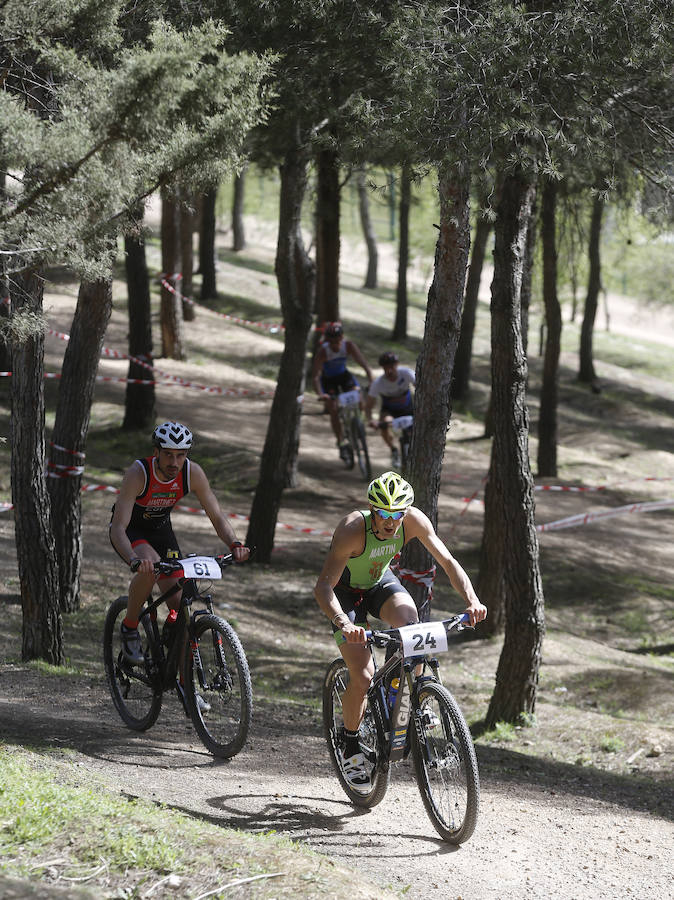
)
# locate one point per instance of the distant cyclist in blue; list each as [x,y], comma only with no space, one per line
[331,376]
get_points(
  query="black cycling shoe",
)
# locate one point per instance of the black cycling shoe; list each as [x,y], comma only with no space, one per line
[132,649]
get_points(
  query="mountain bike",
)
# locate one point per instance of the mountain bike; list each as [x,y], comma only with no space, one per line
[202,647]
[418,715]
[353,429]
[402,429]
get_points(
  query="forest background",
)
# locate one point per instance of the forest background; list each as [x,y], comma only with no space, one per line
[60,217]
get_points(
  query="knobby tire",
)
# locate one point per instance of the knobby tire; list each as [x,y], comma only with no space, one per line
[359,443]
[445,763]
[135,691]
[221,676]
[371,737]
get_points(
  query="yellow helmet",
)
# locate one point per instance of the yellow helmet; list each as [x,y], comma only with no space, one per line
[390,491]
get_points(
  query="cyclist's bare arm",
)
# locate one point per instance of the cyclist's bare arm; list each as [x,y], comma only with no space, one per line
[347,541]
[418,525]
[201,487]
[319,359]
[132,484]
[354,351]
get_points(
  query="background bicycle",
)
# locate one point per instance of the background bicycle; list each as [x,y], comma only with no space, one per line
[409,711]
[216,692]
[402,430]
[353,429]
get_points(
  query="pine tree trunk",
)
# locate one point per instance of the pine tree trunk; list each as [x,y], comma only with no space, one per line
[547,422]
[586,372]
[327,236]
[529,251]
[76,393]
[186,228]
[42,636]
[400,325]
[238,230]
[170,315]
[510,578]
[139,400]
[295,275]
[436,361]
[368,229]
[464,352]
[207,245]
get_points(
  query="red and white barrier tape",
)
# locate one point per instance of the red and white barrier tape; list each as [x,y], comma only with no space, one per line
[266,326]
[4,507]
[208,389]
[585,518]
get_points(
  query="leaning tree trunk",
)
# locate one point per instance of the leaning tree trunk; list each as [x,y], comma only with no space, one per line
[139,400]
[238,230]
[170,315]
[66,455]
[207,245]
[510,574]
[186,228]
[42,636]
[547,420]
[400,325]
[586,371]
[295,275]
[464,351]
[368,229]
[432,409]
[327,236]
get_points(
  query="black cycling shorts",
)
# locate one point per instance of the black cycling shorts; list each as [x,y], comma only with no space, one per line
[359,604]
[163,540]
[338,384]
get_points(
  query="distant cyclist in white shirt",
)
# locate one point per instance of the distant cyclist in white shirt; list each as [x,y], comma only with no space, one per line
[394,388]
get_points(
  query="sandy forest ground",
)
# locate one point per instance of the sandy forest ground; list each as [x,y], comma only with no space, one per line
[578,806]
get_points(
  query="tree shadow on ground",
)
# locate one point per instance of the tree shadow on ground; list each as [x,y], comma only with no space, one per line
[502,770]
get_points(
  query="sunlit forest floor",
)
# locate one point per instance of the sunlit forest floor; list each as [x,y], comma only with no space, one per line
[601,738]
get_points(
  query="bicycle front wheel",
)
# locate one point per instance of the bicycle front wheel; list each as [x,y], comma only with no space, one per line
[370,736]
[218,689]
[445,763]
[359,443]
[136,693]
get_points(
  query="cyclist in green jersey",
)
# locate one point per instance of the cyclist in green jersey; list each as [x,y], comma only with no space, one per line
[356,579]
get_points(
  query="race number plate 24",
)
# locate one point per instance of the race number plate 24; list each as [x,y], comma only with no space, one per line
[201,567]
[427,637]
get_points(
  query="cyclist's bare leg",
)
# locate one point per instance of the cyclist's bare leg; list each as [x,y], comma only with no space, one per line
[140,586]
[400,610]
[359,663]
[335,421]
[386,430]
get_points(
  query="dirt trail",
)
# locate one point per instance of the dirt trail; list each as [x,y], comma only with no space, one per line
[546,829]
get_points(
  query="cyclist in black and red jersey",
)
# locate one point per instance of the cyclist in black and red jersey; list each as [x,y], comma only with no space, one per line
[141,530]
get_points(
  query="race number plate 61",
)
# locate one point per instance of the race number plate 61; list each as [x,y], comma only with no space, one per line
[427,637]
[201,567]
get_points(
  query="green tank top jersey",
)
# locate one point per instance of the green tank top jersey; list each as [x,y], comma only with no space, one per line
[364,571]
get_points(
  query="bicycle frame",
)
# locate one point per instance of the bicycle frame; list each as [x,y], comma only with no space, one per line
[396,721]
[169,663]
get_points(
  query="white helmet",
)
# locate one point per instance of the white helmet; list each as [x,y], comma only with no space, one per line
[172,436]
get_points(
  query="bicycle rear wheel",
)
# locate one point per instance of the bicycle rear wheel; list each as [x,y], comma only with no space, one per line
[216,668]
[359,444]
[334,685]
[136,693]
[445,763]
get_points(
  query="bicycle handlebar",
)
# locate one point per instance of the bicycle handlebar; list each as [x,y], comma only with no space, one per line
[169,567]
[392,635]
